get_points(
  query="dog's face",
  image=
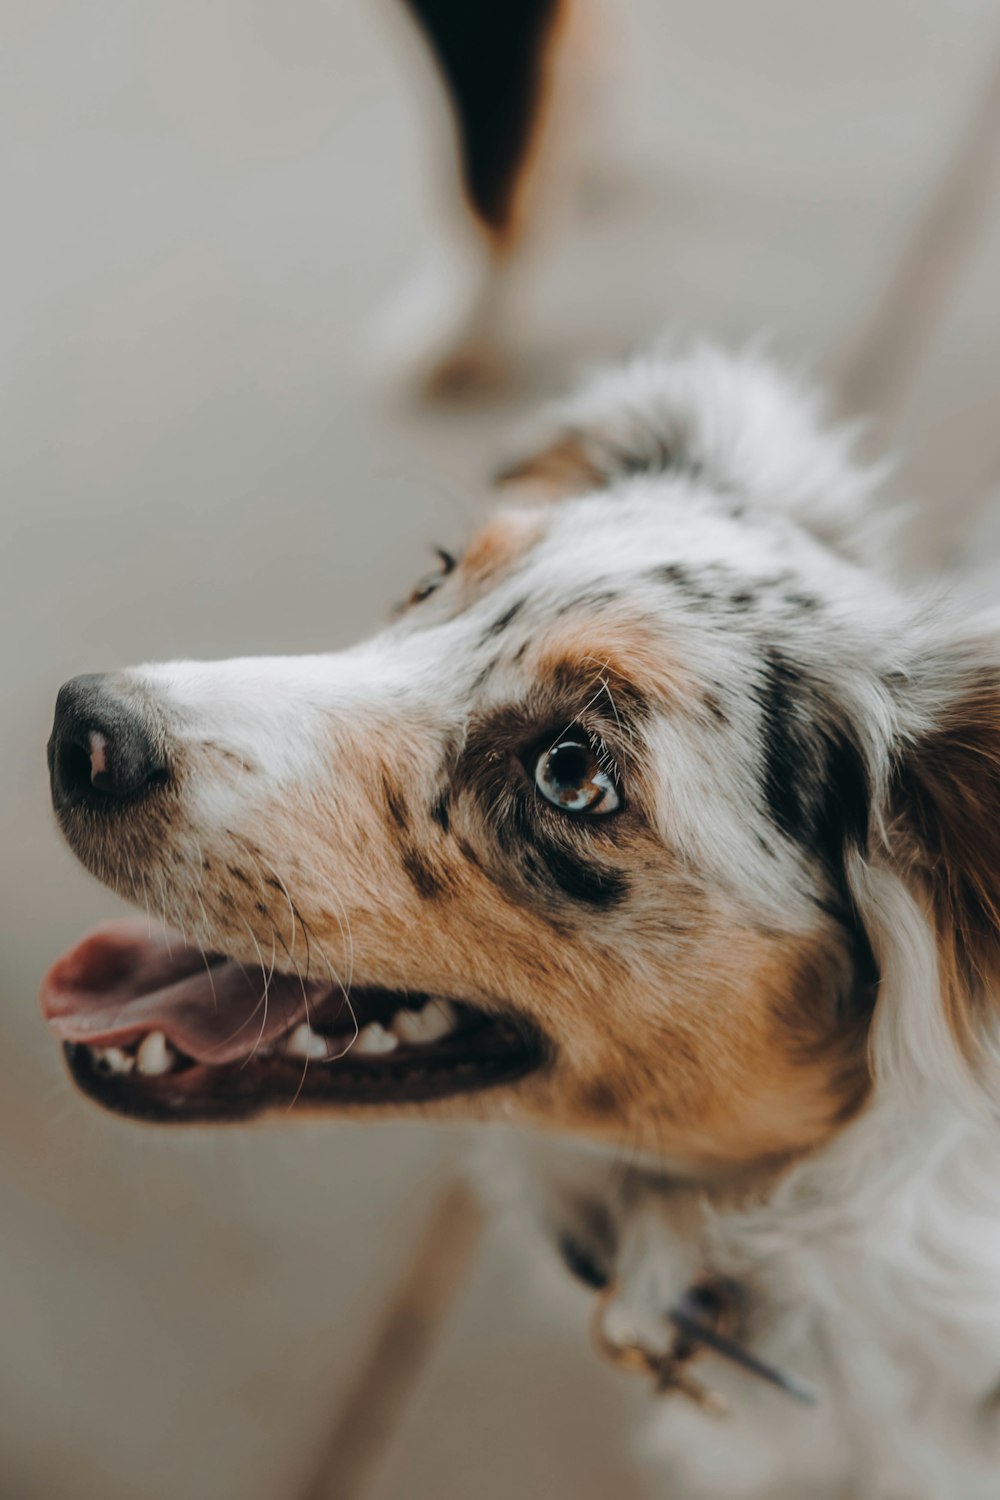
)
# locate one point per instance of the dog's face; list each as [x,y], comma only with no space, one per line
[567,844]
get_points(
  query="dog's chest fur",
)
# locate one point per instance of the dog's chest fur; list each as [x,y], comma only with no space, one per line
[872,1271]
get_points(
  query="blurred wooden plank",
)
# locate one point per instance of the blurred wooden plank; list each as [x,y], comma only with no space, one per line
[515,1402]
[949,438]
[410,1324]
[878,375]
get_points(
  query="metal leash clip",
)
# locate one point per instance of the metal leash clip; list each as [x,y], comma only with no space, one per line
[705,1318]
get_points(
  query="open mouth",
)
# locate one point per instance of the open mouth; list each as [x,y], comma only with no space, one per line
[156,1029]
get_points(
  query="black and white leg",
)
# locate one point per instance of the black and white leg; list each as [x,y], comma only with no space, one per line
[503,64]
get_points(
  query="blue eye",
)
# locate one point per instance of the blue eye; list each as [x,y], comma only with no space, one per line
[570,776]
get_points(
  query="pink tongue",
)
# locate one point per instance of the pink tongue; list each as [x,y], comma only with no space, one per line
[123,981]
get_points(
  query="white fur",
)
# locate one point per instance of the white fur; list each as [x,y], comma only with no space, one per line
[737,422]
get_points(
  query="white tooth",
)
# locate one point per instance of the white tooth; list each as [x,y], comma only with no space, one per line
[421,1027]
[155,1055]
[375,1038]
[113,1059]
[304,1042]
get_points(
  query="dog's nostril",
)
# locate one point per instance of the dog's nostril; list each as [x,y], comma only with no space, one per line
[102,750]
[74,766]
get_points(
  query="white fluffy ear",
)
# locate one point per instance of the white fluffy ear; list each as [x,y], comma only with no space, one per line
[734,423]
[929,893]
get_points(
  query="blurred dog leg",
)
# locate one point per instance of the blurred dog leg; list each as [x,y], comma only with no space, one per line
[511,75]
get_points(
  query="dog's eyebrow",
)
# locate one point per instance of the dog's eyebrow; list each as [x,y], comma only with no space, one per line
[565,691]
[626,652]
[598,682]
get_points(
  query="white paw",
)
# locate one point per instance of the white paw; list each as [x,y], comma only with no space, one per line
[442,335]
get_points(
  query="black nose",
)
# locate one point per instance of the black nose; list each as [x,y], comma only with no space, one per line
[102,751]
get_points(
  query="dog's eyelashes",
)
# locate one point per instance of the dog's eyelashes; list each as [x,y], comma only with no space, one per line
[571,776]
[432,581]
[426,587]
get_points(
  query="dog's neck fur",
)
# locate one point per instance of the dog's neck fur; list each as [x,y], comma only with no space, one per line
[877,1268]
[871,1269]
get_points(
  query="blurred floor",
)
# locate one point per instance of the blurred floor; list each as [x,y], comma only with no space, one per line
[203,204]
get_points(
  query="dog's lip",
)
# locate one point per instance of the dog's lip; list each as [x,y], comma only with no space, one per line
[229,1054]
[126,979]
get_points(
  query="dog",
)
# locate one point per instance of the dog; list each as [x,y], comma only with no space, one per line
[661,824]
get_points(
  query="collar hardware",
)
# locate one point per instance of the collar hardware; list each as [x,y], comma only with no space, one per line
[705,1318]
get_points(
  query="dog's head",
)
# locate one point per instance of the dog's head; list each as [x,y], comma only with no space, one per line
[620,828]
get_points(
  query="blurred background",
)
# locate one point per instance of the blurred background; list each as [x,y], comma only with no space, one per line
[204,205]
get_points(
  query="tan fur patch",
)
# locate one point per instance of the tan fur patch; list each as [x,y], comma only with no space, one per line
[625,655]
[712,1073]
[501,544]
[556,473]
